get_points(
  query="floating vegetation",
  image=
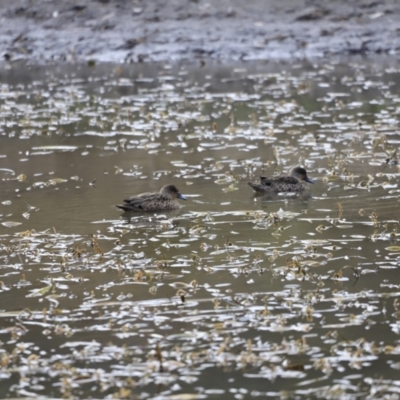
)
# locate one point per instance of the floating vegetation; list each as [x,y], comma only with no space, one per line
[278,296]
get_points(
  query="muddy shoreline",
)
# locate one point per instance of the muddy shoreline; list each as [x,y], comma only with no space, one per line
[178,30]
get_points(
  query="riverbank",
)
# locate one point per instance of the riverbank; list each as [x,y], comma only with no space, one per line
[139,31]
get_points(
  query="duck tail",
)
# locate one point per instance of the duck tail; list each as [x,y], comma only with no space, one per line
[255,186]
[123,207]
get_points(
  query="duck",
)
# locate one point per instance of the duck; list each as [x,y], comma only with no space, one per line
[294,182]
[164,200]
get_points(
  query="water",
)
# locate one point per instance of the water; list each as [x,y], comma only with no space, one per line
[233,295]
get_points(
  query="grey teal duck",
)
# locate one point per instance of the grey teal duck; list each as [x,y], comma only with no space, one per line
[164,200]
[290,183]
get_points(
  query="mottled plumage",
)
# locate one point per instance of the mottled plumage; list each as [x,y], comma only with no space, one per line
[164,200]
[275,184]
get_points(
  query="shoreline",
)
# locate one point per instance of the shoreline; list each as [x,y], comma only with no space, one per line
[122,31]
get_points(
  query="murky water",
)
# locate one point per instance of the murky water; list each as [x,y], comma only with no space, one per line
[232,296]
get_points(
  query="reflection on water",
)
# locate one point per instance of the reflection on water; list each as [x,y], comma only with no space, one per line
[233,289]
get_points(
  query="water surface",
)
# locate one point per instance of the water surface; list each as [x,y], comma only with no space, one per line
[234,295]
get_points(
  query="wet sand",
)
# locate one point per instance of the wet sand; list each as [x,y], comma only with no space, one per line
[226,30]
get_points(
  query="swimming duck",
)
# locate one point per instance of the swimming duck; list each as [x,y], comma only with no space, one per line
[164,200]
[291,183]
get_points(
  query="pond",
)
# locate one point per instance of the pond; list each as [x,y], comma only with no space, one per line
[234,295]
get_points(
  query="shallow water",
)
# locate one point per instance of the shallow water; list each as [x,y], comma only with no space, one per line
[233,295]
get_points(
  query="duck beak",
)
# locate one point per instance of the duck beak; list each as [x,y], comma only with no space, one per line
[309,180]
[182,197]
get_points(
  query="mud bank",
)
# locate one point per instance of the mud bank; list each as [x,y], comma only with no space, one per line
[159,30]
